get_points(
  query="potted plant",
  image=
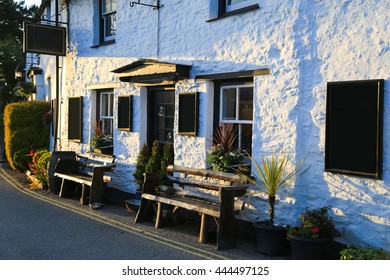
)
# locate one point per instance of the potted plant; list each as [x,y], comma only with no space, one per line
[167,158]
[272,174]
[138,174]
[142,160]
[222,155]
[309,239]
[101,141]
[154,162]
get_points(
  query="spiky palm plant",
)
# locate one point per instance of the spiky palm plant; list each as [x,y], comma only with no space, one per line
[225,137]
[272,174]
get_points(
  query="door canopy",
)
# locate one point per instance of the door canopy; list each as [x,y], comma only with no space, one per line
[149,72]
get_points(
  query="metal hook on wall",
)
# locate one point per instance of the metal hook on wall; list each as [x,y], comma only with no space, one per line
[155,7]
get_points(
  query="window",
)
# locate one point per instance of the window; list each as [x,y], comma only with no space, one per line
[223,8]
[108,19]
[105,116]
[236,107]
[231,5]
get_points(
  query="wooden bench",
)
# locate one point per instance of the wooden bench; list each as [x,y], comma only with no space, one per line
[88,170]
[212,194]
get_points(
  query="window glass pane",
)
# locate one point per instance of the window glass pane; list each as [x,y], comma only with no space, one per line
[109,6]
[104,105]
[161,122]
[109,25]
[113,5]
[106,6]
[246,103]
[107,126]
[111,105]
[246,137]
[168,136]
[169,122]
[229,104]
[233,2]
[169,110]
[161,135]
[107,102]
[239,4]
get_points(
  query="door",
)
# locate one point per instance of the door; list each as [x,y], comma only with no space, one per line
[161,116]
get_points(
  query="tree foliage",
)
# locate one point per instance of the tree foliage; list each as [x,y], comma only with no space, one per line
[12,15]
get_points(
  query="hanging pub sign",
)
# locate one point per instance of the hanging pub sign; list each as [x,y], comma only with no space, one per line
[44,39]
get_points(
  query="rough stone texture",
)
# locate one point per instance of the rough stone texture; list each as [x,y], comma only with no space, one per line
[305,44]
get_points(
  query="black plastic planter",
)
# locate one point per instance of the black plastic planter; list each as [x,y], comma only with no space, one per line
[306,248]
[270,240]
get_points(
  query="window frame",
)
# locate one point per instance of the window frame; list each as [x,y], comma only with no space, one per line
[99,116]
[104,16]
[238,6]
[236,121]
[217,9]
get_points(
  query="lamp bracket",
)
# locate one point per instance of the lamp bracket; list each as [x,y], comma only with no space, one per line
[155,7]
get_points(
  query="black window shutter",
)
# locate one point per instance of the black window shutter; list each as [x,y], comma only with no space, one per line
[188,113]
[75,117]
[354,128]
[125,112]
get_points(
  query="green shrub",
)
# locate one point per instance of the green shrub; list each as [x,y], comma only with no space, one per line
[24,128]
[21,159]
[154,163]
[167,158]
[369,253]
[142,160]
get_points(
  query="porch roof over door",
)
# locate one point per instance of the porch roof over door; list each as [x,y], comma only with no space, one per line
[152,72]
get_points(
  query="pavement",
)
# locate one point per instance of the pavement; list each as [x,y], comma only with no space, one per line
[182,237]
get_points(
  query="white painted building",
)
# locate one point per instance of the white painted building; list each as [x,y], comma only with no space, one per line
[273,58]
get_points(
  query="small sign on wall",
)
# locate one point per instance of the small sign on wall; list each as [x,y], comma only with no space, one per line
[188,113]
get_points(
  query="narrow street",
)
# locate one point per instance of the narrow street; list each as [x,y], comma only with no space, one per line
[33,229]
[36,225]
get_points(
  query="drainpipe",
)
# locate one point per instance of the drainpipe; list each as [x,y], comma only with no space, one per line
[57,85]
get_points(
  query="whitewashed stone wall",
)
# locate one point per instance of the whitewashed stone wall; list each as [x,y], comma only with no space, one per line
[305,44]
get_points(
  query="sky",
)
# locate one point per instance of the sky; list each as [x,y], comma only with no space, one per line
[30,2]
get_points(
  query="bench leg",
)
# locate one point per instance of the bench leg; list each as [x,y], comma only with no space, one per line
[96,193]
[226,235]
[62,189]
[203,228]
[84,195]
[145,212]
[158,215]
[57,185]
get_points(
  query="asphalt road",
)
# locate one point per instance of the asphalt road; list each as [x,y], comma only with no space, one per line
[32,229]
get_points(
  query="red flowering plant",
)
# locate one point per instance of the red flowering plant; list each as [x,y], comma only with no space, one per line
[315,224]
[38,166]
[46,119]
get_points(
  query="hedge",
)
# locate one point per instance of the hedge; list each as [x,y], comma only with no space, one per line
[24,128]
